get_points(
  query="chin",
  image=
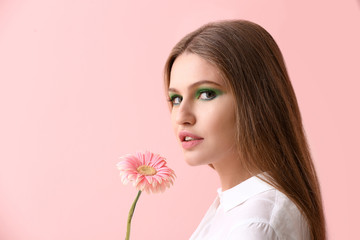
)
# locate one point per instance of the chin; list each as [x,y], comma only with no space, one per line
[191,163]
[196,157]
[195,161]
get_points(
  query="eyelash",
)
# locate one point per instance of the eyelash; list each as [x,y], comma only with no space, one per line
[172,98]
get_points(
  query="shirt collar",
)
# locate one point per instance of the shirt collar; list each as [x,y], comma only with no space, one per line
[240,193]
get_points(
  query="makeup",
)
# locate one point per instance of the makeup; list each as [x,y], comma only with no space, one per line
[208,93]
[212,91]
[187,144]
[191,144]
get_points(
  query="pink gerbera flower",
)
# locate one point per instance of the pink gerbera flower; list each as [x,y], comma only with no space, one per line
[147,171]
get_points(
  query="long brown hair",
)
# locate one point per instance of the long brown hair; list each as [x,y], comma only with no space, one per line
[269,126]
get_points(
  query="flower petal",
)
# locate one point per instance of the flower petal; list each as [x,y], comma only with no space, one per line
[157,182]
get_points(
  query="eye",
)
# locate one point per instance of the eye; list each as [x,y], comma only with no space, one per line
[207,94]
[175,99]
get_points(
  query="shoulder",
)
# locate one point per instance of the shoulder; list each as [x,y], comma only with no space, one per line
[287,219]
[270,215]
[253,229]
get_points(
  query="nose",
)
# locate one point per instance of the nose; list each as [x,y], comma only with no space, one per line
[185,114]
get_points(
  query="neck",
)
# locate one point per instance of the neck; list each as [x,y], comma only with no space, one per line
[231,172]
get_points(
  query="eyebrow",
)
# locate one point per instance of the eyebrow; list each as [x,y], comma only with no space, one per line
[196,84]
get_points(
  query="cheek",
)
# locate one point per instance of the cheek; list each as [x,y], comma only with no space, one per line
[173,122]
[221,113]
[222,124]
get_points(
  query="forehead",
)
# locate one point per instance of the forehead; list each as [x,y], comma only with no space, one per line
[189,68]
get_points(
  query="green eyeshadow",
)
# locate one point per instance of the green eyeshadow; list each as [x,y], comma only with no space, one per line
[201,90]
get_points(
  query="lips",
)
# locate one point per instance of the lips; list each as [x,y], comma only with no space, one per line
[190,144]
[184,134]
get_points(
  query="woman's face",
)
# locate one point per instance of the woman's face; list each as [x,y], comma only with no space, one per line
[203,111]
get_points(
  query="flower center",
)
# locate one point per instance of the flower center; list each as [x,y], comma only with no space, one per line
[146,170]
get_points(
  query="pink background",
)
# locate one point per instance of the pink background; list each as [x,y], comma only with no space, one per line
[81,85]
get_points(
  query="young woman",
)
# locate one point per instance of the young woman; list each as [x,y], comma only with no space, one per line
[233,108]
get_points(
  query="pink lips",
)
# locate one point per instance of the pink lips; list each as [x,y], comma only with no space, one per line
[192,143]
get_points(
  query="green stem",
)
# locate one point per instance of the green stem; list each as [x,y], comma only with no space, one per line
[131,213]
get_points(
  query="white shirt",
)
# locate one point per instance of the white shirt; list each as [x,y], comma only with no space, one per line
[252,210]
